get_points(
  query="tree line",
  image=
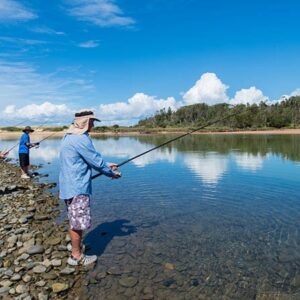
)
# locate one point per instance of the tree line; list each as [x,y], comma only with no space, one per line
[284,114]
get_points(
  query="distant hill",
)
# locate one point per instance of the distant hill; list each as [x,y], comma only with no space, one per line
[285,114]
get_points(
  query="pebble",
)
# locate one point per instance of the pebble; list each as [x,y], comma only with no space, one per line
[67,271]
[15,277]
[26,278]
[56,262]
[128,282]
[6,283]
[42,296]
[37,249]
[4,290]
[39,269]
[59,287]
[21,288]
[169,266]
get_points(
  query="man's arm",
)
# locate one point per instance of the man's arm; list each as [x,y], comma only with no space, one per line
[88,152]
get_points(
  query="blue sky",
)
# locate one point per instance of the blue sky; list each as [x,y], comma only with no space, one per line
[127,59]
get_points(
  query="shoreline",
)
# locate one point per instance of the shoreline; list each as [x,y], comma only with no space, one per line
[33,255]
[41,134]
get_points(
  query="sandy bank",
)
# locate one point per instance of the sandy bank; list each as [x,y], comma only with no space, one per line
[39,135]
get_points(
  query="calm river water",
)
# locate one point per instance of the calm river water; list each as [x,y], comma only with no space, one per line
[208,217]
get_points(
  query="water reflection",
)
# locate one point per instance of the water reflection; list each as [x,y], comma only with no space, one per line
[128,147]
[207,157]
[249,162]
[209,167]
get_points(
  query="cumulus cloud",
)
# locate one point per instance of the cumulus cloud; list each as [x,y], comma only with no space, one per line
[250,96]
[13,11]
[137,107]
[45,111]
[208,89]
[89,44]
[104,13]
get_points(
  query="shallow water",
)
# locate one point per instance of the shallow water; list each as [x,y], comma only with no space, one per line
[208,217]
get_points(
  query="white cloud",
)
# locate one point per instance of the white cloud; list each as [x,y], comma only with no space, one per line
[208,89]
[13,11]
[209,167]
[251,95]
[104,13]
[47,30]
[45,111]
[249,162]
[137,107]
[89,44]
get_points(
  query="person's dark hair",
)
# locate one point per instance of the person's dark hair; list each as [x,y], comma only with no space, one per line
[84,113]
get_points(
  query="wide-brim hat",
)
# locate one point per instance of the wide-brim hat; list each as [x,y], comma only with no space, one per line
[81,122]
[28,128]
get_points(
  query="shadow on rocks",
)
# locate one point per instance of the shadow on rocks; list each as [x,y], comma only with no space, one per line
[100,237]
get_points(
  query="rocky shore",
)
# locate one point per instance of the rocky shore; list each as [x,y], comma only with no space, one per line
[33,247]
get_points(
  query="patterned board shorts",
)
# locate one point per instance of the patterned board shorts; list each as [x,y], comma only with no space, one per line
[79,212]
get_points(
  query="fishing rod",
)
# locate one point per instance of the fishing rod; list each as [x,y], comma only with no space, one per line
[172,140]
[14,146]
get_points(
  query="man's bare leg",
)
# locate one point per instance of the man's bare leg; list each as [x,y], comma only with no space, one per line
[24,170]
[76,236]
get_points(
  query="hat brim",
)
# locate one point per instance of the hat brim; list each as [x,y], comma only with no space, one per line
[95,119]
[31,130]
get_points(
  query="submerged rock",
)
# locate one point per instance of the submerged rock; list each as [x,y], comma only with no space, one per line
[59,287]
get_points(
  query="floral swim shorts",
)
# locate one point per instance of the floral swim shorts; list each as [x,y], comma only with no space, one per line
[79,212]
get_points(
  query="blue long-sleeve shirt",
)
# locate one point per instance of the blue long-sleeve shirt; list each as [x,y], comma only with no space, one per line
[24,140]
[78,157]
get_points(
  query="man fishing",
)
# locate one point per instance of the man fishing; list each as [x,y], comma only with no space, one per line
[77,159]
[24,147]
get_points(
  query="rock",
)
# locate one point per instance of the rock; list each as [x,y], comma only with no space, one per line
[194,282]
[24,256]
[15,277]
[168,282]
[37,249]
[169,266]
[39,269]
[26,278]
[23,220]
[12,239]
[42,296]
[47,263]
[5,283]
[59,287]
[54,241]
[67,271]
[22,288]
[50,276]
[56,262]
[41,217]
[40,283]
[4,290]
[128,282]
[114,271]
[100,276]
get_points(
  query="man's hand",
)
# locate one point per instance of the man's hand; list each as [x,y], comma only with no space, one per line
[117,175]
[113,166]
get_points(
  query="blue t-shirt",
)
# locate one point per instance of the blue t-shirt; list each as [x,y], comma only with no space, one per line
[23,148]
